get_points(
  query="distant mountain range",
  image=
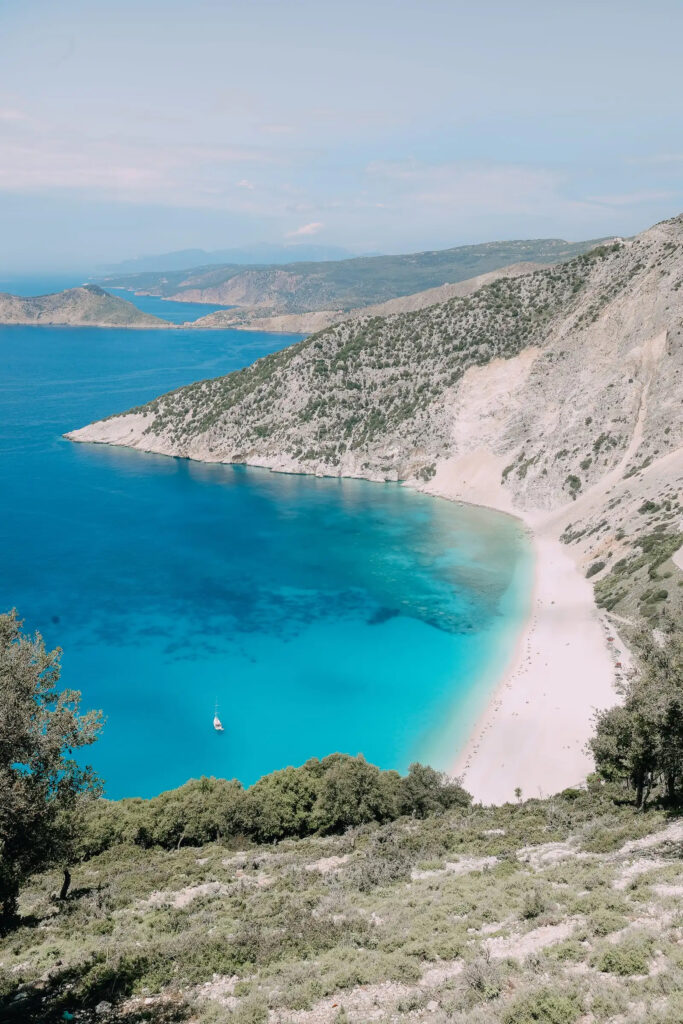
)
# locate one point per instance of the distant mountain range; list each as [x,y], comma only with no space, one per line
[341,285]
[260,254]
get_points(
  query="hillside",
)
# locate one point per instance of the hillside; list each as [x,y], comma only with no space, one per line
[343,284]
[307,323]
[555,396]
[560,381]
[88,306]
[558,911]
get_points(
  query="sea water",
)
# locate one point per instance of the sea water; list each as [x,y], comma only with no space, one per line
[168,309]
[320,614]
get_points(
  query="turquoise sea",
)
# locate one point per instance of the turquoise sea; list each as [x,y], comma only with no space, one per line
[321,614]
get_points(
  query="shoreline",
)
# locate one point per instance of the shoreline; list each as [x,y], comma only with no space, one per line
[534,729]
[538,718]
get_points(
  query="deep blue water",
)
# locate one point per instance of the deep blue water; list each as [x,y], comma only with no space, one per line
[321,614]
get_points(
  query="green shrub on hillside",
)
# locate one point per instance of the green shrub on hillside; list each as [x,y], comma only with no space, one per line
[543,1007]
[326,796]
[630,957]
[641,741]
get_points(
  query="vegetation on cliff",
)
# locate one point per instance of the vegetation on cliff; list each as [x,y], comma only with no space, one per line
[546,910]
[41,785]
[640,742]
[358,385]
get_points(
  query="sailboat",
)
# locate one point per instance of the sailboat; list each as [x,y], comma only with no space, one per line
[217,724]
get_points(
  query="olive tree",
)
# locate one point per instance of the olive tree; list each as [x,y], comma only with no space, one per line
[641,741]
[41,785]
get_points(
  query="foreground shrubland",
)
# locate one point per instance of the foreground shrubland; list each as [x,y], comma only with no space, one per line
[336,891]
[556,911]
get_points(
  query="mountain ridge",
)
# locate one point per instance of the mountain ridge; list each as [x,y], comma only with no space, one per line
[305,323]
[181,259]
[343,284]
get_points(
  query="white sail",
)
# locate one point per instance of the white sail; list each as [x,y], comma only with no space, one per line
[217,724]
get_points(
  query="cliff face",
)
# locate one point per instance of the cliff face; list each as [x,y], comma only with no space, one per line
[85,306]
[556,394]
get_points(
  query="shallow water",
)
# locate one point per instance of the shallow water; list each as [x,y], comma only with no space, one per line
[321,614]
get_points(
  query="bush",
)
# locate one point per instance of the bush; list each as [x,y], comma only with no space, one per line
[353,792]
[594,569]
[325,796]
[602,922]
[624,959]
[424,791]
[484,978]
[534,903]
[385,860]
[543,1007]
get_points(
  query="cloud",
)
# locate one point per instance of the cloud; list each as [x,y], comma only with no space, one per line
[277,129]
[662,159]
[245,183]
[306,229]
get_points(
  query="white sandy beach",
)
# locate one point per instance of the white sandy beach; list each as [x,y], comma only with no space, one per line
[534,732]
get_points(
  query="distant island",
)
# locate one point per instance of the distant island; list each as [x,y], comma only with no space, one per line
[295,298]
[261,254]
[86,306]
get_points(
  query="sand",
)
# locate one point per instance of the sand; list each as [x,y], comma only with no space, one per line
[534,732]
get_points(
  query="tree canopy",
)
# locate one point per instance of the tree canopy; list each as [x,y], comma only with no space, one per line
[41,784]
[324,796]
[640,742]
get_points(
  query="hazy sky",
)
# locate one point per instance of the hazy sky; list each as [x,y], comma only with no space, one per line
[141,126]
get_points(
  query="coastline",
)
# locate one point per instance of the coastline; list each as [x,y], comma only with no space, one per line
[533,731]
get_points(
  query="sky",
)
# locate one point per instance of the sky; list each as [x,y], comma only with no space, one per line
[143,126]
